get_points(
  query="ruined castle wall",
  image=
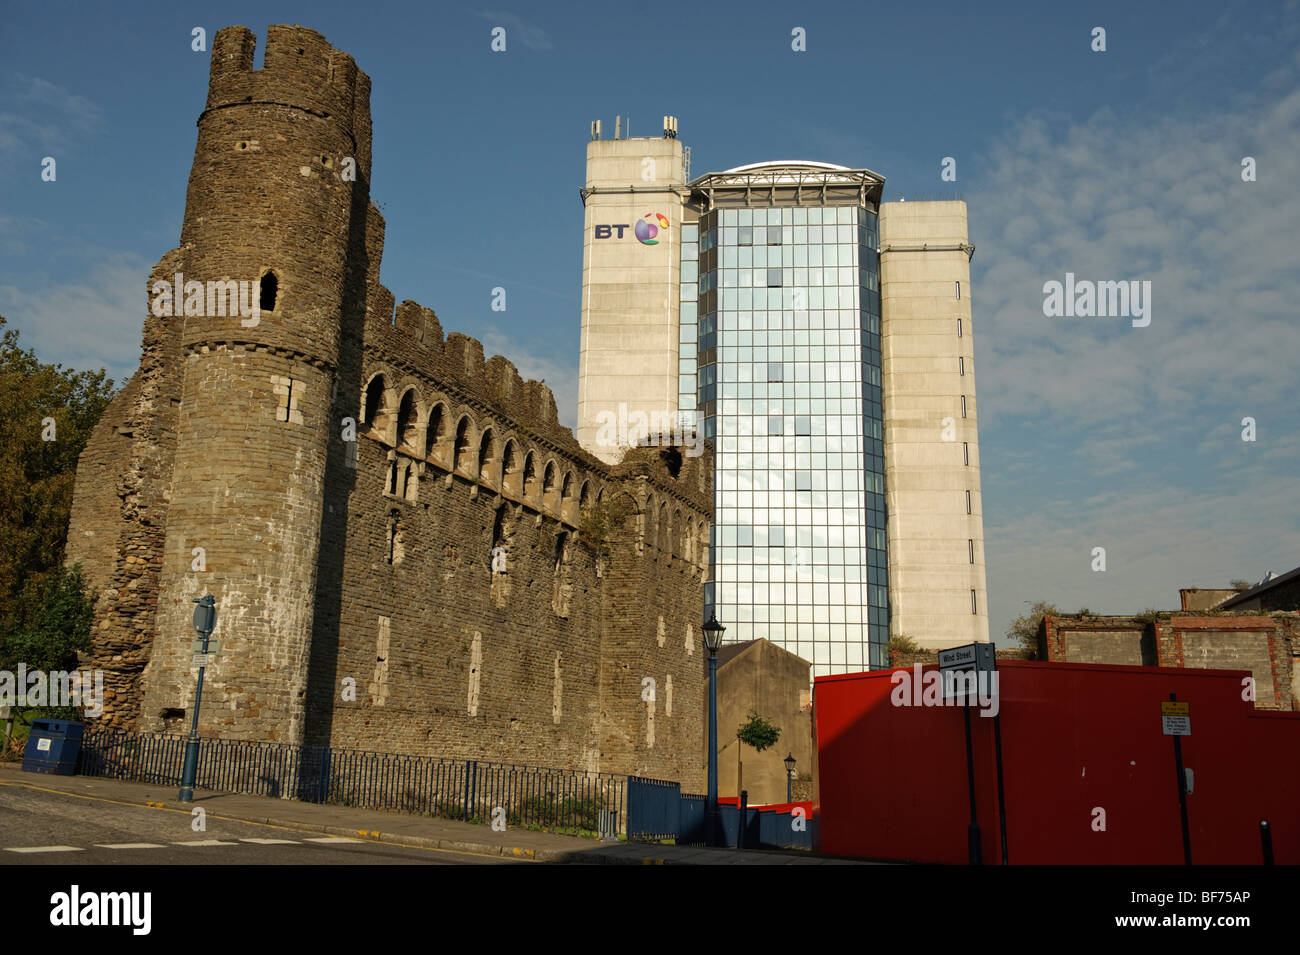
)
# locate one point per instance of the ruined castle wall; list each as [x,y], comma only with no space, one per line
[267,204]
[541,661]
[119,512]
[338,475]
[654,583]
[96,520]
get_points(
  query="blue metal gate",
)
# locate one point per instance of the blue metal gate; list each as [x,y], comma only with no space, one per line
[653,809]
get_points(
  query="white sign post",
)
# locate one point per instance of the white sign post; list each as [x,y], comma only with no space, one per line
[972,659]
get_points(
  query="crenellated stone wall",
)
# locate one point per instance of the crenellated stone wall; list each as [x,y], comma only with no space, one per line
[409,552]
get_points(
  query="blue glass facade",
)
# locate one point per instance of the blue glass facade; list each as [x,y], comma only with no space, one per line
[780,362]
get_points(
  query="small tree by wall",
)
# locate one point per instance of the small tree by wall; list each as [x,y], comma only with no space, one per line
[758,732]
[1024,630]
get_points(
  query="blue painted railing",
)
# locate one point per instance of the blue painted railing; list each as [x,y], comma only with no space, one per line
[659,810]
[467,789]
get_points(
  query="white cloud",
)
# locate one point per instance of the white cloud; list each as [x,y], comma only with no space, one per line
[1149,416]
[1156,541]
[89,323]
[560,377]
[38,114]
[517,28]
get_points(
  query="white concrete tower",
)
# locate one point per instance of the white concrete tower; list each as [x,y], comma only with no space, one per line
[937,589]
[631,262]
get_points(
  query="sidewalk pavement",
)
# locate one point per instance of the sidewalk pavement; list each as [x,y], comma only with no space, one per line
[410,830]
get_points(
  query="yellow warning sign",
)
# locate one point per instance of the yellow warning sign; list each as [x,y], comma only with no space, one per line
[1171,708]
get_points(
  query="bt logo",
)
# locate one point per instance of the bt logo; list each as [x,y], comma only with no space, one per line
[645,231]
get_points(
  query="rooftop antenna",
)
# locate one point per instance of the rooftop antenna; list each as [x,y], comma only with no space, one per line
[618,126]
[595,129]
[686,162]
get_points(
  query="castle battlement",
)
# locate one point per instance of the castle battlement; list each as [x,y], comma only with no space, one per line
[419,388]
[408,551]
[300,70]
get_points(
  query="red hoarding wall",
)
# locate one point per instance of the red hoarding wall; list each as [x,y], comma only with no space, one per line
[1082,745]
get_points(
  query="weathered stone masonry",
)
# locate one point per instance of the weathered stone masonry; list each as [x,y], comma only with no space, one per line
[340,476]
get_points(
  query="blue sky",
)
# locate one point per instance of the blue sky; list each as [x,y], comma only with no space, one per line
[1116,165]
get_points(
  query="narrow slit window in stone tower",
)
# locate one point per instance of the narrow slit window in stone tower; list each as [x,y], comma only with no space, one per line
[396,550]
[270,287]
[499,527]
[563,583]
[288,392]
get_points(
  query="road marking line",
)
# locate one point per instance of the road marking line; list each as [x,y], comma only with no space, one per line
[46,849]
[130,845]
[333,839]
[206,842]
[304,827]
[272,842]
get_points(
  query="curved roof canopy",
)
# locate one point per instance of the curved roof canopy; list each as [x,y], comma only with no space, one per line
[779,163]
[780,182]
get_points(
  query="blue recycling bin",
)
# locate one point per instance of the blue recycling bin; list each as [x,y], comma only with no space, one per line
[53,747]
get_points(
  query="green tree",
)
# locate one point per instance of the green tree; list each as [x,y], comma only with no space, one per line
[46,628]
[46,416]
[758,732]
[1024,630]
[49,624]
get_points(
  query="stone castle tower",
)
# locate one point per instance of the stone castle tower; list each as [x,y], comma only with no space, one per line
[340,477]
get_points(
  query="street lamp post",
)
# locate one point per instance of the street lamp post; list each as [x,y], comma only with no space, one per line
[712,640]
[789,776]
[205,621]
